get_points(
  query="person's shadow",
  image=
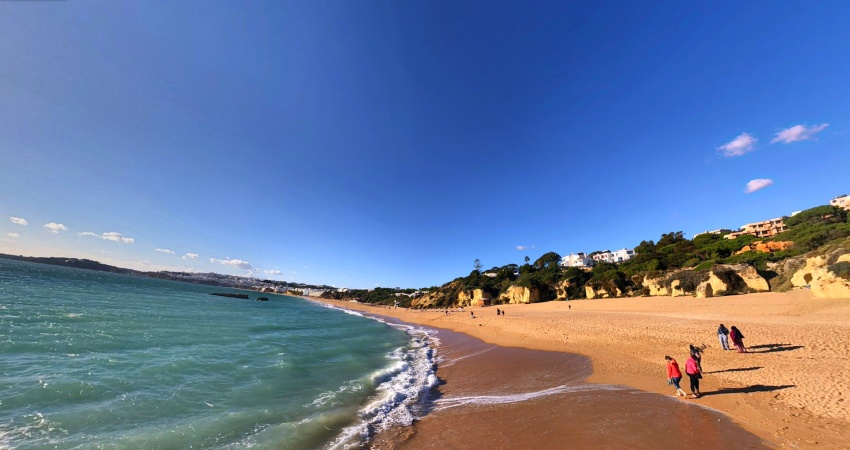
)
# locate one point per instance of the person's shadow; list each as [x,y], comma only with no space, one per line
[770,348]
[738,369]
[749,389]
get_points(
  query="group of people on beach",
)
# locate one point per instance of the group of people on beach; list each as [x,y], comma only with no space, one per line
[735,335]
[693,366]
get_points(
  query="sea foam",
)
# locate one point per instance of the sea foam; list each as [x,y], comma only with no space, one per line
[402,387]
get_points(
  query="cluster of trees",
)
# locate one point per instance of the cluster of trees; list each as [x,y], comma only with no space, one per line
[808,230]
[379,295]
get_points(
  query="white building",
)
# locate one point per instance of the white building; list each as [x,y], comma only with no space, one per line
[842,201]
[605,256]
[576,260]
[624,254]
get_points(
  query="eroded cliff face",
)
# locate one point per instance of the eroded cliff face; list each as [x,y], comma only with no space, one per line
[723,279]
[591,292]
[519,294]
[827,276]
[561,292]
[472,297]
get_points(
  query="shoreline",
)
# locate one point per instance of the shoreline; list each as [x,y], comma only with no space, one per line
[790,390]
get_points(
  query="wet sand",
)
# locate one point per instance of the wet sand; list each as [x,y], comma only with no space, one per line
[507,398]
[791,389]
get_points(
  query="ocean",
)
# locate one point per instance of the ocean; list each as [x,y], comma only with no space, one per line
[99,360]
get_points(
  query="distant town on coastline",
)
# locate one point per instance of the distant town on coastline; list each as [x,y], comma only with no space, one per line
[809,248]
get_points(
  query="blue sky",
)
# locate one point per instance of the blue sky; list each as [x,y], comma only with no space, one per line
[392,143]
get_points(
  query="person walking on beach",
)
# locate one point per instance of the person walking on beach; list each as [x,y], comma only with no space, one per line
[723,335]
[696,354]
[498,312]
[674,375]
[472,314]
[692,369]
[737,339]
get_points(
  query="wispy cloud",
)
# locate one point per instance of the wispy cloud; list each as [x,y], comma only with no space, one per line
[744,143]
[273,272]
[522,247]
[190,255]
[13,235]
[54,227]
[758,184]
[798,133]
[110,236]
[164,250]
[233,263]
[18,220]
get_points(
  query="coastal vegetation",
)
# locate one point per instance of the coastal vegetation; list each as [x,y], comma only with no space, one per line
[678,263]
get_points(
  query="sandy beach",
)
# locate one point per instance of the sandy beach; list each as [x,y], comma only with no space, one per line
[790,389]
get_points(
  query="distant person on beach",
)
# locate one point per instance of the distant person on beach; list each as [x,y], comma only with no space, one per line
[498,312]
[692,369]
[696,354]
[472,314]
[723,335]
[447,311]
[674,375]
[737,339]
[569,306]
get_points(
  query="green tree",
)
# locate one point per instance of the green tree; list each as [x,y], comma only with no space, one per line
[477,265]
[548,260]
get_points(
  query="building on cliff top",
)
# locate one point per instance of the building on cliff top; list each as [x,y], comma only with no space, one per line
[577,260]
[842,201]
[763,229]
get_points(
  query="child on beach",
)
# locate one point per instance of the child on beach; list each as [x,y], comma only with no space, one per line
[692,369]
[674,375]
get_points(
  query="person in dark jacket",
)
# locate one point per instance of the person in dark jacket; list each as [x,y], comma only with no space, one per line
[723,335]
[737,339]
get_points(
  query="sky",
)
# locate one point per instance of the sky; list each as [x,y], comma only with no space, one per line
[388,143]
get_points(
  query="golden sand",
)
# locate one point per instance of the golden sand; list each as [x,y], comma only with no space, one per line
[790,389]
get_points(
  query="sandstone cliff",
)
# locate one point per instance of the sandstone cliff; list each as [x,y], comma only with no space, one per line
[827,276]
[519,294]
[472,297]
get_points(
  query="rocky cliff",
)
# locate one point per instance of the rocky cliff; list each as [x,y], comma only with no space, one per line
[519,294]
[472,297]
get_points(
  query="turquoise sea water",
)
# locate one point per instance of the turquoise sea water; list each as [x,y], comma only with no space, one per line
[98,360]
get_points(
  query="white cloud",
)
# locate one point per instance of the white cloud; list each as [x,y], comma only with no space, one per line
[190,256]
[13,235]
[798,133]
[54,227]
[233,263]
[110,236]
[18,220]
[273,272]
[744,143]
[164,250]
[522,247]
[757,184]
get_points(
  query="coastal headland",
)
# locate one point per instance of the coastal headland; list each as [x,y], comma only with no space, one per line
[790,389]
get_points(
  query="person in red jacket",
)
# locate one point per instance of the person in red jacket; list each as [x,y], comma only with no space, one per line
[674,375]
[692,369]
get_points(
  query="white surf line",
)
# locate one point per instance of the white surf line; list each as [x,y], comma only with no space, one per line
[446,403]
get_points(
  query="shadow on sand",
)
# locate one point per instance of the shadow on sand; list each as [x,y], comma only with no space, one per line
[749,389]
[739,369]
[770,348]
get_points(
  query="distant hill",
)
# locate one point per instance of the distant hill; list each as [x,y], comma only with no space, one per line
[72,262]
